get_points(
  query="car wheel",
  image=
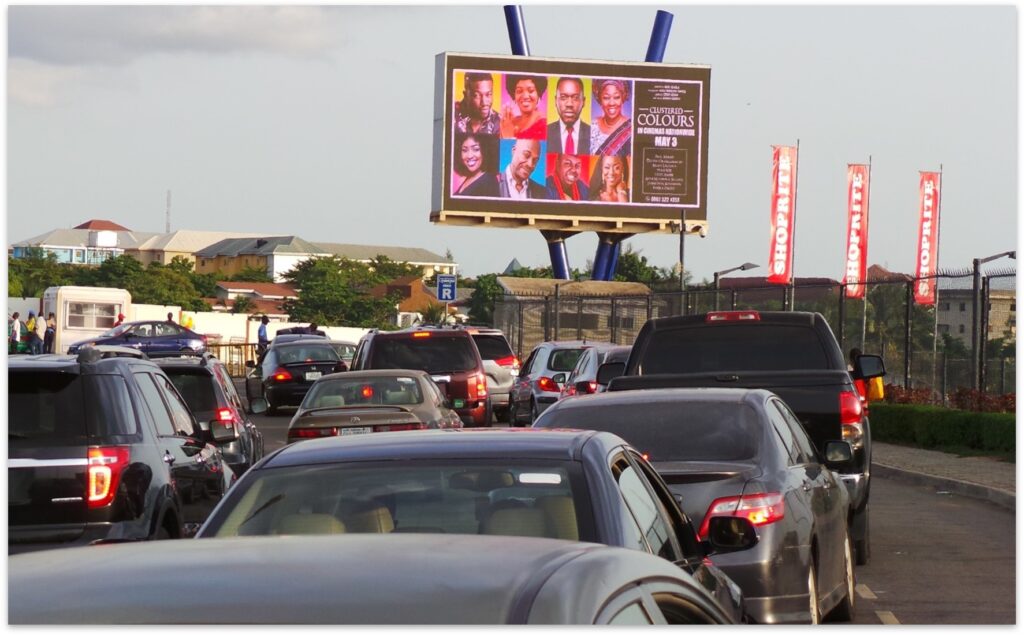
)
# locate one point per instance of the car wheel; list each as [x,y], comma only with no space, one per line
[844,611]
[812,594]
[161,534]
[862,547]
[533,412]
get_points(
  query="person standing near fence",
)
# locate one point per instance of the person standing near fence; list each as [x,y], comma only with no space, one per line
[51,333]
[15,336]
[262,341]
[39,335]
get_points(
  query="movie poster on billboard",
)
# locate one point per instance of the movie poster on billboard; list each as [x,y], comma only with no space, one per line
[542,143]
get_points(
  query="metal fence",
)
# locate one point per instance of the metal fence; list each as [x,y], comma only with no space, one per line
[885,322]
[234,356]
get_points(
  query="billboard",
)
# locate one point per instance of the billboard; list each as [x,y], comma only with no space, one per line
[577,145]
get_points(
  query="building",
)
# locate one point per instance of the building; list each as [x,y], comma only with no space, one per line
[184,243]
[431,262]
[274,254]
[90,243]
[264,298]
[955,302]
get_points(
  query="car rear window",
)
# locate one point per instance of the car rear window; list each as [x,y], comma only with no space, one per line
[492,346]
[734,347]
[671,431]
[505,497]
[52,408]
[564,359]
[378,391]
[303,353]
[431,354]
[197,388]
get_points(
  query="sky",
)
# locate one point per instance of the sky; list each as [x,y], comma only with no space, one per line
[317,122]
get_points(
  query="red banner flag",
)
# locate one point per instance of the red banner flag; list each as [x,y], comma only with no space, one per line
[928,238]
[783,214]
[857,197]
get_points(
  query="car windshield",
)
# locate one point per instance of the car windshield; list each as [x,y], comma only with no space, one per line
[564,359]
[749,347]
[344,350]
[671,430]
[515,498]
[387,391]
[117,330]
[197,389]
[306,353]
[430,354]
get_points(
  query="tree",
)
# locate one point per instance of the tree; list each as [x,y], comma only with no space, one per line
[335,291]
[387,269]
[36,271]
[251,274]
[433,313]
[633,267]
[481,303]
[243,304]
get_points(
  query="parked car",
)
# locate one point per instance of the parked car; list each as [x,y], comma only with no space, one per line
[730,453]
[450,357]
[367,579]
[346,350]
[792,353]
[101,447]
[287,370]
[500,364]
[209,391]
[361,402]
[579,485]
[541,379]
[152,337]
[583,378]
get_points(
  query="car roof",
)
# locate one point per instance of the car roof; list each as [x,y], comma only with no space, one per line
[368,374]
[568,344]
[70,363]
[653,396]
[315,341]
[441,444]
[326,579]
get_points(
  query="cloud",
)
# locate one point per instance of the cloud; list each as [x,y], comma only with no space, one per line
[34,84]
[98,35]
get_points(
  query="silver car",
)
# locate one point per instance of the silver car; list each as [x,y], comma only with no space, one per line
[541,379]
[356,579]
[500,364]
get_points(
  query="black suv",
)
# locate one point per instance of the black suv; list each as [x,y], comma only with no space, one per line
[210,393]
[101,447]
[450,356]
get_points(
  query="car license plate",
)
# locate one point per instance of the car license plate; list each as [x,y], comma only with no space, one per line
[314,374]
[460,403]
[348,431]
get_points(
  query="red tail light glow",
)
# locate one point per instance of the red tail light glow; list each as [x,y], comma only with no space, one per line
[511,361]
[547,384]
[850,408]
[225,415]
[759,509]
[105,467]
[476,386]
[282,374]
[367,392]
[733,316]
[311,433]
[421,334]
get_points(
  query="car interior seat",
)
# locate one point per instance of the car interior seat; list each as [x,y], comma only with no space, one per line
[561,514]
[517,521]
[310,524]
[330,401]
[374,520]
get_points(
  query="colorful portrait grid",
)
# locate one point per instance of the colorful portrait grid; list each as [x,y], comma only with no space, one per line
[559,138]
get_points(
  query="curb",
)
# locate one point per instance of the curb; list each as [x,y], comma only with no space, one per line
[1000,497]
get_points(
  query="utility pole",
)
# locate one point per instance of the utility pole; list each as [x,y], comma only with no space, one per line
[167,218]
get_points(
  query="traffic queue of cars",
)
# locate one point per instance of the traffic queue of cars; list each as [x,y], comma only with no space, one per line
[713,504]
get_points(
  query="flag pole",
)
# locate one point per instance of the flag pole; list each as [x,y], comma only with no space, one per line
[864,316]
[792,240]
[938,240]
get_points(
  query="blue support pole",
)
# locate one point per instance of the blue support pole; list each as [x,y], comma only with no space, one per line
[520,46]
[606,259]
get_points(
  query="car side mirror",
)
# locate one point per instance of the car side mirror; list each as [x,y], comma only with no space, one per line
[868,366]
[729,533]
[220,431]
[203,432]
[839,456]
[609,371]
[584,388]
[559,378]
[258,405]
[250,363]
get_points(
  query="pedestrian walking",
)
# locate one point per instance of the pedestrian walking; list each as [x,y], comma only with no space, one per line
[51,333]
[262,341]
[39,335]
[170,317]
[35,342]
[15,335]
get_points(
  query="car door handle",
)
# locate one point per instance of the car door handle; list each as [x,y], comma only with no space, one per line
[168,459]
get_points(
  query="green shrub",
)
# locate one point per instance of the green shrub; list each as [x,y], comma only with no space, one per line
[933,427]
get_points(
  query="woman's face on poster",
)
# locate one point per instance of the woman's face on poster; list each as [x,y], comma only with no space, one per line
[611,100]
[526,96]
[472,156]
[612,171]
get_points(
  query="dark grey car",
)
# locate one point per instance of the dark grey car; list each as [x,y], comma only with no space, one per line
[742,453]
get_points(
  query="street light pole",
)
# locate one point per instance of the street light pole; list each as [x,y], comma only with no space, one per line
[975,314]
[718,276]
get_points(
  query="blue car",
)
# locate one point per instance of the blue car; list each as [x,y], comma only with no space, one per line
[152,337]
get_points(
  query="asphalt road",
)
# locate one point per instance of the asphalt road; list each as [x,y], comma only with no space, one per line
[936,558]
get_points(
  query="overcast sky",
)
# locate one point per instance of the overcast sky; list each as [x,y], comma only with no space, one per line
[317,122]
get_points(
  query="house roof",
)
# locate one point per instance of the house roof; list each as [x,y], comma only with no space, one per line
[188,240]
[512,267]
[566,288]
[368,252]
[264,289]
[270,307]
[259,246]
[80,238]
[97,224]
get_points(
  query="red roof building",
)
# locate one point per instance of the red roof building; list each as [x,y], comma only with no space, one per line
[102,225]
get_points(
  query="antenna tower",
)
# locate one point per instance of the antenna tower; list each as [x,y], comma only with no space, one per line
[167,218]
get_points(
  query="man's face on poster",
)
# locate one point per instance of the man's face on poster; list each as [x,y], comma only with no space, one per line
[569,168]
[525,155]
[481,95]
[569,100]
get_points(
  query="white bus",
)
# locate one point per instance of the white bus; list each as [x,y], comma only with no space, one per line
[84,312]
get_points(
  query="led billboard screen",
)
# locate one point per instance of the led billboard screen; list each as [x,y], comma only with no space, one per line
[569,144]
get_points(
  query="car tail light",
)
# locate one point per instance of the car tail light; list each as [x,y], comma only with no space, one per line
[105,467]
[759,509]
[569,390]
[421,334]
[511,361]
[477,386]
[591,388]
[311,433]
[282,374]
[733,316]
[547,384]
[396,427]
[367,392]
[225,415]
[850,408]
